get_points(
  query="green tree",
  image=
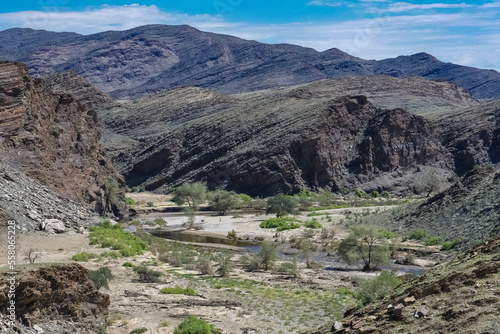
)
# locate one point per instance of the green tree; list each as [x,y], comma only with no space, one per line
[111,194]
[222,201]
[367,244]
[101,277]
[267,254]
[307,249]
[281,205]
[192,193]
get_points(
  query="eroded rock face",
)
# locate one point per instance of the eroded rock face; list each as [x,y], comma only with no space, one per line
[52,139]
[62,293]
[284,145]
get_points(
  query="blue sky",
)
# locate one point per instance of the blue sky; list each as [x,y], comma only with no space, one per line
[462,32]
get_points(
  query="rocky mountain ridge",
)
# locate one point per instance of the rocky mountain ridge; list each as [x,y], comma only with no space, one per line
[53,139]
[190,134]
[147,59]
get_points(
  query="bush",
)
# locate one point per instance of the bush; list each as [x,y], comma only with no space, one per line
[267,254]
[116,238]
[418,234]
[281,205]
[224,264]
[139,330]
[135,189]
[232,235]
[147,275]
[130,201]
[178,291]
[452,244]
[385,194]
[314,223]
[374,194]
[432,241]
[194,325]
[160,221]
[245,197]
[128,264]
[387,234]
[150,204]
[377,288]
[289,268]
[84,257]
[101,277]
[281,223]
[113,255]
[204,265]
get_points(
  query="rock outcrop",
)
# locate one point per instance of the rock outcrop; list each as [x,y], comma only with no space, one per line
[55,299]
[53,139]
[144,60]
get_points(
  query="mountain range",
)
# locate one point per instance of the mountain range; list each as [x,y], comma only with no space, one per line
[133,63]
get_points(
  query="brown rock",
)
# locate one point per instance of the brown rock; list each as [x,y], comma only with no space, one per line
[409,300]
[53,139]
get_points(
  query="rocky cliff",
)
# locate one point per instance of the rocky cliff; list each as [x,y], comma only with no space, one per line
[56,299]
[53,139]
[132,63]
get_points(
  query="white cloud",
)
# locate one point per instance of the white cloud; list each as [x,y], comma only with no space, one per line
[105,18]
[468,38]
[405,6]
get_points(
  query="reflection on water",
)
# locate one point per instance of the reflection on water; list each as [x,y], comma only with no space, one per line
[188,237]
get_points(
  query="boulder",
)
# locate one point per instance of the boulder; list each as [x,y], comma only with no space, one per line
[53,225]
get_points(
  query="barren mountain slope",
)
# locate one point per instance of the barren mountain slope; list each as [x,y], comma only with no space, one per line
[275,144]
[132,63]
[52,138]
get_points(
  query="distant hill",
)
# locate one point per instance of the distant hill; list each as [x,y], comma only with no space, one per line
[129,64]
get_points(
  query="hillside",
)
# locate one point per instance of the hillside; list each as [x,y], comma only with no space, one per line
[147,59]
[461,296]
[54,140]
[272,128]
[470,209]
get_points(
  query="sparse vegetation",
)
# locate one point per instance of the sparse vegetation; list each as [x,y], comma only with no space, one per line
[222,201]
[147,275]
[376,289]
[417,234]
[447,245]
[267,254]
[178,291]
[116,238]
[32,255]
[139,330]
[314,223]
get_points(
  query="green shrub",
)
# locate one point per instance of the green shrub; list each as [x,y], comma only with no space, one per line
[281,223]
[432,241]
[128,264]
[245,197]
[147,275]
[224,264]
[452,244]
[113,254]
[314,223]
[84,257]
[160,221]
[232,235]
[116,238]
[130,201]
[178,291]
[385,194]
[374,194]
[194,325]
[135,189]
[360,193]
[142,189]
[378,288]
[267,254]
[101,277]
[139,330]
[204,264]
[150,204]
[418,234]
[387,234]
